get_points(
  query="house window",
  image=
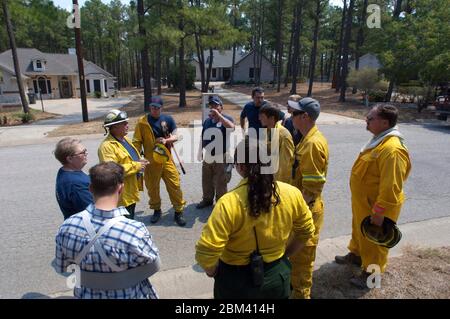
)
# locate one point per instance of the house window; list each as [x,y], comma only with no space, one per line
[38,64]
[213,73]
[49,87]
[42,85]
[106,86]
[35,87]
[88,86]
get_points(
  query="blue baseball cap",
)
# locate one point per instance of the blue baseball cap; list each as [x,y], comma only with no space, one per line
[215,100]
[156,101]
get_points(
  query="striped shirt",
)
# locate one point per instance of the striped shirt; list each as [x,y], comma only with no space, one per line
[128,244]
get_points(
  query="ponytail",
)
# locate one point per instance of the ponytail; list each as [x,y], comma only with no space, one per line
[262,188]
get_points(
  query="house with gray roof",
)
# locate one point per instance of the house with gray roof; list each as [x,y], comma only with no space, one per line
[244,68]
[52,75]
[368,60]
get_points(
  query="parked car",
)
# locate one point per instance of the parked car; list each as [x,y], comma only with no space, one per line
[442,105]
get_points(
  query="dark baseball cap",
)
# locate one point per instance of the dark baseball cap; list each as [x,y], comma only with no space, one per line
[156,101]
[215,100]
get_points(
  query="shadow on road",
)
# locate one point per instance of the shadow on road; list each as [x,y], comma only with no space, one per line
[191,214]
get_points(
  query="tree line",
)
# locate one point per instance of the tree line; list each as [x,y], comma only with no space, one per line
[305,40]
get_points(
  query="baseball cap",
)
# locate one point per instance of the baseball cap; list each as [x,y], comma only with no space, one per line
[308,105]
[156,101]
[215,99]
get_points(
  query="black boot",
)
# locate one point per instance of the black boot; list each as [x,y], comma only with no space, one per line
[179,219]
[204,204]
[156,216]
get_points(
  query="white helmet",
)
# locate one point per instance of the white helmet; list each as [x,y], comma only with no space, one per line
[115,117]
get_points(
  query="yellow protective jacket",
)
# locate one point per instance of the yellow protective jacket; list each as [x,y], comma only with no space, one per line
[112,150]
[377,179]
[311,156]
[229,235]
[286,154]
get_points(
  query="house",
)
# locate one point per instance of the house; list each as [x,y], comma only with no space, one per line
[244,68]
[53,75]
[368,60]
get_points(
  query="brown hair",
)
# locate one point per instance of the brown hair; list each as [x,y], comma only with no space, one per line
[64,148]
[387,112]
[262,188]
[105,177]
[270,111]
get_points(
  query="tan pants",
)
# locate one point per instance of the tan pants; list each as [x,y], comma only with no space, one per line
[213,181]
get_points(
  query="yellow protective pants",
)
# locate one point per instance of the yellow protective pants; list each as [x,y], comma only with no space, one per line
[169,174]
[371,254]
[303,261]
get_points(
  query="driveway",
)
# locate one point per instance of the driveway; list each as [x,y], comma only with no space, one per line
[69,111]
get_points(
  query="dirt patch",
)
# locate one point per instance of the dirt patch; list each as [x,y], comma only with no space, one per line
[419,273]
[11,116]
[135,109]
[328,99]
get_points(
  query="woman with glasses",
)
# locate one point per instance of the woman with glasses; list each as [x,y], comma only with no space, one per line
[72,184]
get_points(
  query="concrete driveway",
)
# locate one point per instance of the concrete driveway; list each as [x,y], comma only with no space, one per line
[69,111]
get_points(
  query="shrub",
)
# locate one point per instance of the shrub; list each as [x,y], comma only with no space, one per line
[97,94]
[174,76]
[377,96]
[25,117]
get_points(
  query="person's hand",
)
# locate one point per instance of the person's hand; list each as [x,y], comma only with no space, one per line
[377,219]
[161,140]
[215,114]
[144,163]
[212,272]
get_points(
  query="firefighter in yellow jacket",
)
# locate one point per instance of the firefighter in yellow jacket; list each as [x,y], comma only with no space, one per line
[268,116]
[309,175]
[155,133]
[118,148]
[376,184]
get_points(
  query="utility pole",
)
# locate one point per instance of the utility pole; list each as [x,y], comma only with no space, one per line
[79,49]
[12,42]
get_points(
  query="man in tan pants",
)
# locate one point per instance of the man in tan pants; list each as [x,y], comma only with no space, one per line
[215,141]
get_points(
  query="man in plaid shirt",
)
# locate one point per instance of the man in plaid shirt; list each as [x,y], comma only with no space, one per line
[101,241]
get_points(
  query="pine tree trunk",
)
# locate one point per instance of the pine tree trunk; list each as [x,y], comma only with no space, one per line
[12,42]
[338,76]
[144,57]
[360,38]
[345,51]
[312,62]
[295,60]
[289,62]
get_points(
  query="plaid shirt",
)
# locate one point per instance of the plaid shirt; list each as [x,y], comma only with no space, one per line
[128,243]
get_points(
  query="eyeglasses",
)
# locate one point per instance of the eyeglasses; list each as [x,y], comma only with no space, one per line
[83,152]
[370,118]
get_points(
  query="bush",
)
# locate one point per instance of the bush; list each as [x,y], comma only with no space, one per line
[174,76]
[97,94]
[25,117]
[377,96]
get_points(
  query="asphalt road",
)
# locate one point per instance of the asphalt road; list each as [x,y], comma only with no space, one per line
[30,215]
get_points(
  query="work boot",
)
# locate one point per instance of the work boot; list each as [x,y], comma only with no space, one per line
[204,204]
[350,258]
[156,216]
[179,219]
[360,281]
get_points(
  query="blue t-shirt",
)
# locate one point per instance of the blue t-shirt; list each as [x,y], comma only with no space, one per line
[296,135]
[209,123]
[72,192]
[251,112]
[156,125]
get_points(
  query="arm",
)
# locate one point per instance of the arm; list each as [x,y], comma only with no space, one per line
[313,168]
[214,237]
[394,165]
[303,224]
[138,138]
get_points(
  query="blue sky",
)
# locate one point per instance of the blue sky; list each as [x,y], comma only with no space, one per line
[67,4]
